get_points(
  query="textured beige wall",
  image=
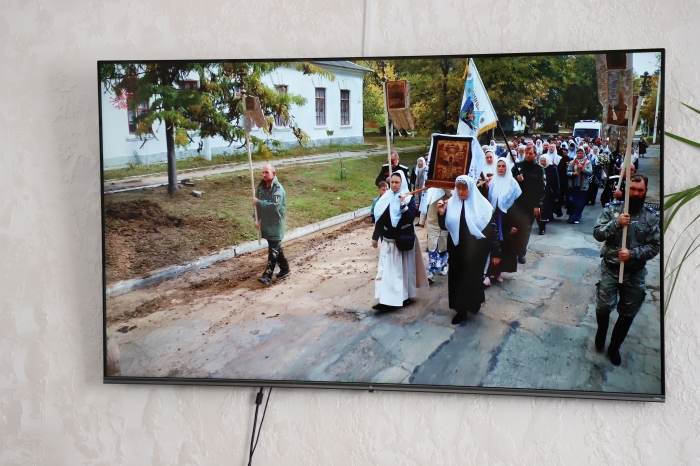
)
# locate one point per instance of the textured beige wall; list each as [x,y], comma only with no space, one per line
[54,408]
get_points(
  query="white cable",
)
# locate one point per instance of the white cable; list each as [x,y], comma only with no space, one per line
[368,24]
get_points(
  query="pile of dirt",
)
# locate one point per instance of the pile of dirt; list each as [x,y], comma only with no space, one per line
[142,213]
[141,237]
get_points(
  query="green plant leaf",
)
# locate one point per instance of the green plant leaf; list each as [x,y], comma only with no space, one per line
[693,109]
[682,139]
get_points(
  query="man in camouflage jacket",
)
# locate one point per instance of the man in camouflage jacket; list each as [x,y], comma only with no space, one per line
[270,201]
[643,244]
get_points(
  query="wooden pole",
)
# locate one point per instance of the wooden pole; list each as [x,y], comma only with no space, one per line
[386,120]
[628,162]
[656,112]
[252,178]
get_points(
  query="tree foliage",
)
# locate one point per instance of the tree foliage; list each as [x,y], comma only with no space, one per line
[215,108]
[437,86]
[549,89]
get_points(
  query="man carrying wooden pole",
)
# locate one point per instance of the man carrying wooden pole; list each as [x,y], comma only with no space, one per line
[622,284]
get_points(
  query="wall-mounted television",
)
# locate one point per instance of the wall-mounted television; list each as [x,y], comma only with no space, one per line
[253,234]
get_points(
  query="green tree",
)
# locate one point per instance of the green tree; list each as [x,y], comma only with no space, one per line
[578,100]
[437,86]
[215,108]
[372,92]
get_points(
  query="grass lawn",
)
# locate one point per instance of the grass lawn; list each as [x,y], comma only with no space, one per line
[240,157]
[399,141]
[147,229]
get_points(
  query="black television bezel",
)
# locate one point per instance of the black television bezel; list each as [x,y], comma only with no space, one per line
[472,390]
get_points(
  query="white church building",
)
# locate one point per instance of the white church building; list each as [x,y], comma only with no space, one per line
[331,106]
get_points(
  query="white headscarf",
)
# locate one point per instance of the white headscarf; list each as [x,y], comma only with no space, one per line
[546,157]
[504,190]
[421,172]
[391,200]
[477,211]
[556,158]
[538,146]
[490,169]
[492,146]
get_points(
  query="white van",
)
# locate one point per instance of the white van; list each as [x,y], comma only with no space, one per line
[591,128]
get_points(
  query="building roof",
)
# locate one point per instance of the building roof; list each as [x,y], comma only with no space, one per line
[344,64]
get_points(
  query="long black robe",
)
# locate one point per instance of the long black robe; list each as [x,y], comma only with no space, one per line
[467,260]
[509,245]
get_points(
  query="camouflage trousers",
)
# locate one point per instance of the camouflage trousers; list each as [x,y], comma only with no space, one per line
[627,296]
[275,256]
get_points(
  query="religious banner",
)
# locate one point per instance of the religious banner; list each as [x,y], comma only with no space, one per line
[452,156]
[476,114]
[253,113]
[399,104]
[615,89]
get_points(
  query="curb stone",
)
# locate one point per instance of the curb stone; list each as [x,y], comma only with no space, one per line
[166,273]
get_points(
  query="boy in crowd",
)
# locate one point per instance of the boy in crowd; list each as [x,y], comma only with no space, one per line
[382,187]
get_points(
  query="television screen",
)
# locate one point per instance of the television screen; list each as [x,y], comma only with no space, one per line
[471,224]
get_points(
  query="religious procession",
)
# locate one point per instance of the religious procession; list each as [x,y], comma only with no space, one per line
[479,231]
[496,253]
[479,228]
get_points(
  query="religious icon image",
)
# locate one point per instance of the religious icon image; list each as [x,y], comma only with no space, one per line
[451,160]
[396,94]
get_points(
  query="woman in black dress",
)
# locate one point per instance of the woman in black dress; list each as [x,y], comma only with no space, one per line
[551,192]
[467,216]
[503,191]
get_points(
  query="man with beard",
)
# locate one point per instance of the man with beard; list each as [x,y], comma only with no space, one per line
[530,176]
[643,244]
[395,166]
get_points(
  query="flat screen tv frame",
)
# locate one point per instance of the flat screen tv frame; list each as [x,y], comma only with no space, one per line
[365,385]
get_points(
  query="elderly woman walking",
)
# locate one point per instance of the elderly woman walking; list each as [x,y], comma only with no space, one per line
[467,216]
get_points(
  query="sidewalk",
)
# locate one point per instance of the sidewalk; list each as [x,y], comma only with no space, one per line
[160,179]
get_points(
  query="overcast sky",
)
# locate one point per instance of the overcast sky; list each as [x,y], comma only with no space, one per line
[644,62]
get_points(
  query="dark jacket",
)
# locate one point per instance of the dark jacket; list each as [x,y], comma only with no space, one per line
[384,173]
[384,229]
[272,210]
[643,236]
[532,185]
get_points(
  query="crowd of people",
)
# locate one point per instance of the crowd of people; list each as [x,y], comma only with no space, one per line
[480,230]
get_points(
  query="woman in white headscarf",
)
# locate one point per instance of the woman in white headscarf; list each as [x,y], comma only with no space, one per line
[467,216]
[539,146]
[551,191]
[418,174]
[490,165]
[503,191]
[400,272]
